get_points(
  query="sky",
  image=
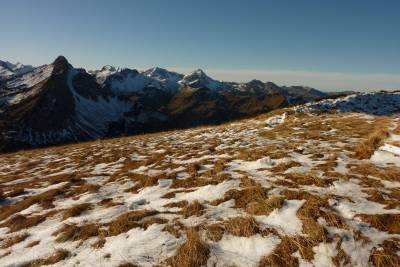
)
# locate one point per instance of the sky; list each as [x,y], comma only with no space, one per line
[329,45]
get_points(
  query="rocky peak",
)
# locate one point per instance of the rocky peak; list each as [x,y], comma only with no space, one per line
[60,65]
[108,68]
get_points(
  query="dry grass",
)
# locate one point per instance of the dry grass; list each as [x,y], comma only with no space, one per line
[193,169]
[384,222]
[193,209]
[33,243]
[193,252]
[142,181]
[386,255]
[390,201]
[58,255]
[191,182]
[265,206]
[127,264]
[127,221]
[175,228]
[329,164]
[9,242]
[391,173]
[244,196]
[243,226]
[308,179]
[74,232]
[108,202]
[281,256]
[309,213]
[44,199]
[282,167]
[334,220]
[16,192]
[82,189]
[341,258]
[215,231]
[76,210]
[19,222]
[365,149]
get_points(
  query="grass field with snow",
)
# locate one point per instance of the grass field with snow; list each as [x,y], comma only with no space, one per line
[282,189]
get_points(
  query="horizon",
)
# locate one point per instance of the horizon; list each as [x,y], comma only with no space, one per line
[330,46]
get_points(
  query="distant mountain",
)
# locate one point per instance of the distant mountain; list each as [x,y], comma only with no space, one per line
[57,103]
[8,69]
[198,79]
[375,103]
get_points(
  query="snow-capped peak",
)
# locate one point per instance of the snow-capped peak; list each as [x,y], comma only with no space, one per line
[108,68]
[198,78]
[8,69]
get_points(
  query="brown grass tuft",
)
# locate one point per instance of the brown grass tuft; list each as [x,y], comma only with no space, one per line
[265,206]
[84,188]
[13,240]
[33,243]
[365,149]
[16,192]
[334,220]
[19,222]
[383,222]
[307,179]
[193,252]
[193,209]
[74,232]
[175,228]
[76,210]
[282,254]
[57,256]
[44,199]
[127,264]
[242,226]
[244,196]
[215,231]
[386,255]
[193,169]
[127,221]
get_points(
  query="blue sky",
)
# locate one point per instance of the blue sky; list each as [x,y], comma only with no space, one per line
[326,44]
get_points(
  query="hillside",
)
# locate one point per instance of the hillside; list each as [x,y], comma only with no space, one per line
[287,188]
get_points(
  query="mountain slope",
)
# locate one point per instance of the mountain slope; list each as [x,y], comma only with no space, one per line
[8,69]
[375,103]
[284,188]
[57,104]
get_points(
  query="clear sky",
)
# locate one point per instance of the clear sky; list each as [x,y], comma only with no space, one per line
[349,44]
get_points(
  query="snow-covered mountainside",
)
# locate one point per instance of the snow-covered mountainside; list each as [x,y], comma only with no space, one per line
[57,103]
[128,82]
[8,69]
[377,103]
[198,79]
[282,189]
[168,79]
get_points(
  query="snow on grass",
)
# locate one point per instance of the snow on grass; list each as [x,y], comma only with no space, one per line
[138,246]
[323,255]
[241,251]
[117,170]
[209,192]
[284,219]
[355,201]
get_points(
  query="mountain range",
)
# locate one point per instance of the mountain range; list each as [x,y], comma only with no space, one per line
[57,103]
